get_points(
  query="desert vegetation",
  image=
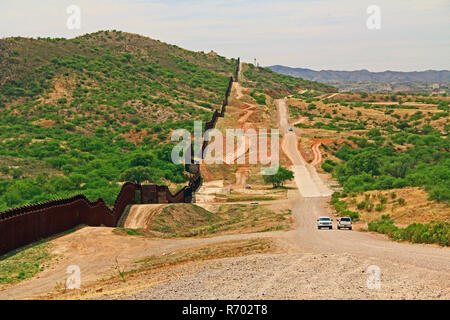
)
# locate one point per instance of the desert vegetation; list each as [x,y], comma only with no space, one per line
[83,115]
[86,114]
[378,145]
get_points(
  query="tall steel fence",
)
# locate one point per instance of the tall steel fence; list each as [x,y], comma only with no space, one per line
[24,225]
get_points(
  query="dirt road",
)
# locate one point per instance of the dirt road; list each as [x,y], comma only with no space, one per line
[141,216]
[325,264]
[317,154]
[306,178]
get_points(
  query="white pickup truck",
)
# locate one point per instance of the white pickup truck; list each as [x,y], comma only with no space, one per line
[344,222]
[324,222]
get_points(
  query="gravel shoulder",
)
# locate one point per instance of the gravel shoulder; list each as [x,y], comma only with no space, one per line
[289,276]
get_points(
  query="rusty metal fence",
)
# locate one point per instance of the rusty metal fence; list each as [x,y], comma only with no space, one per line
[24,225]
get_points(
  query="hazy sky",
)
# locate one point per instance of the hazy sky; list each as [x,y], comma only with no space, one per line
[317,34]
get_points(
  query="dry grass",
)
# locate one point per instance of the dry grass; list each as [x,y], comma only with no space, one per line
[372,116]
[416,206]
[155,269]
[24,263]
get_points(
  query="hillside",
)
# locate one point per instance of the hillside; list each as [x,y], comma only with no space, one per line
[364,80]
[85,114]
[277,84]
[76,114]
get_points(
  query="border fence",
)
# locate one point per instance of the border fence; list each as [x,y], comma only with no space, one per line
[25,225]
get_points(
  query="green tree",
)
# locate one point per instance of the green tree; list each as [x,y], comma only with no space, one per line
[142,160]
[17,173]
[279,178]
[137,174]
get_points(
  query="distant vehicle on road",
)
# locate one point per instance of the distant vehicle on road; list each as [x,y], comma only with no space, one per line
[344,222]
[324,222]
[248,186]
[291,129]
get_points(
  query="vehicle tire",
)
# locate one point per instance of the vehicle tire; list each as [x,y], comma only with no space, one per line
[318,228]
[339,228]
[350,228]
[331,228]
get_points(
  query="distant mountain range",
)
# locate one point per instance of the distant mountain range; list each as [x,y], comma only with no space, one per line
[373,81]
[441,76]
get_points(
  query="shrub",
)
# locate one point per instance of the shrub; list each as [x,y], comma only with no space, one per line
[369,206]
[434,232]
[62,101]
[328,165]
[361,205]
[341,207]
[17,173]
[352,214]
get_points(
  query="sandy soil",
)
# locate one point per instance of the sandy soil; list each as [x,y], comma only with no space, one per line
[241,177]
[237,86]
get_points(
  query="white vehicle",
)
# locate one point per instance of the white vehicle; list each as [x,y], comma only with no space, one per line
[344,222]
[324,222]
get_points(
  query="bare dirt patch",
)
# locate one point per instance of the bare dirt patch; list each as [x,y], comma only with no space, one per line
[45,123]
[155,269]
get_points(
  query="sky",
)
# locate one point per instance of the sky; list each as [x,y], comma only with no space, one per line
[414,35]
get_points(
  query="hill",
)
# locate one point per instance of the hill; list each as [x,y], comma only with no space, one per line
[364,80]
[83,115]
[278,84]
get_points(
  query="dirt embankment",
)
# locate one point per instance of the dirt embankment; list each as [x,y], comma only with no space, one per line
[188,220]
[141,216]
